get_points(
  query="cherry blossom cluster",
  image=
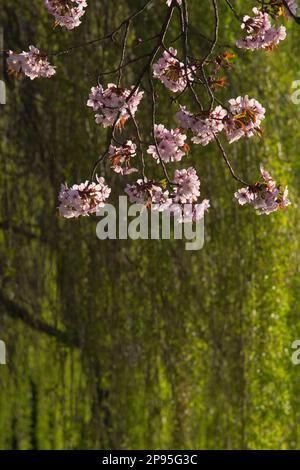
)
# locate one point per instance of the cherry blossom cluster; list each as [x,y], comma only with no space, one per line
[187,188]
[192,212]
[33,64]
[67,13]
[185,191]
[265,196]
[260,32]
[147,192]
[170,144]
[185,194]
[171,72]
[242,119]
[115,104]
[204,125]
[83,199]
[120,158]
[181,201]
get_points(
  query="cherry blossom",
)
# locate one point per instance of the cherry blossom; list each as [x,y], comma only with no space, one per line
[191,212]
[155,198]
[260,33]
[205,125]
[264,196]
[185,195]
[148,193]
[187,188]
[170,144]
[244,118]
[161,199]
[200,209]
[244,196]
[33,64]
[181,202]
[67,13]
[83,199]
[171,72]
[120,158]
[114,104]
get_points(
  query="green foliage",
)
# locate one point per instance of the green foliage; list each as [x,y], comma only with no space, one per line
[153,346]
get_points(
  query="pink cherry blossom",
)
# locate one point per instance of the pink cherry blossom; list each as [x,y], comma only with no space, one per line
[204,125]
[83,199]
[244,118]
[200,209]
[192,212]
[171,72]
[33,64]
[171,144]
[114,103]
[265,196]
[161,199]
[244,196]
[260,33]
[273,37]
[120,158]
[148,193]
[181,202]
[185,195]
[67,13]
[187,188]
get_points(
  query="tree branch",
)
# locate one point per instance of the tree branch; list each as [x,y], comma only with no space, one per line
[16,311]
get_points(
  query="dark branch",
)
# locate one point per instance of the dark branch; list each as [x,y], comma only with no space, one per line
[16,311]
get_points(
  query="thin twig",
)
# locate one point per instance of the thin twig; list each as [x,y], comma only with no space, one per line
[110,36]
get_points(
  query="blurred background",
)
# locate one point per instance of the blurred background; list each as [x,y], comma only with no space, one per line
[141,344]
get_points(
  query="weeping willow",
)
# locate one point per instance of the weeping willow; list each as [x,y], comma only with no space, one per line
[126,344]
